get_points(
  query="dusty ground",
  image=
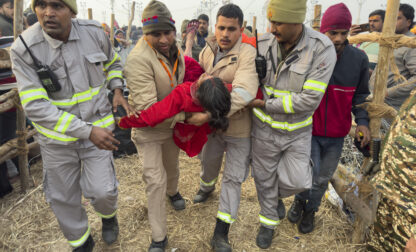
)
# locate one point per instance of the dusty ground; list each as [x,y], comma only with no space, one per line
[30,225]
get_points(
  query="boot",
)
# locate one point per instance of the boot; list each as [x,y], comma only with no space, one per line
[295,211]
[158,246]
[177,201]
[87,246]
[281,210]
[202,196]
[219,241]
[264,237]
[110,230]
[306,224]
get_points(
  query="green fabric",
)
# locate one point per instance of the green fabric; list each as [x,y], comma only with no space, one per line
[371,49]
[159,9]
[72,4]
[396,181]
[284,11]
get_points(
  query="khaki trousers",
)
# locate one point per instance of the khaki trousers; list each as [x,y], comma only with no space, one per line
[161,175]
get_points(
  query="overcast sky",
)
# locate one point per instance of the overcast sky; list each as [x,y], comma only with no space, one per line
[188,9]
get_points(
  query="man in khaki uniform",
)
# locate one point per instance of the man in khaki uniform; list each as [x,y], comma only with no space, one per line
[153,69]
[74,123]
[226,57]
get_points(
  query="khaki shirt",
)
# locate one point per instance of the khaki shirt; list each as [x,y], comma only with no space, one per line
[238,68]
[66,117]
[149,82]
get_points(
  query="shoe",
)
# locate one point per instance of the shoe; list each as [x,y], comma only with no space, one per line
[281,210]
[306,224]
[264,237]
[87,246]
[201,196]
[295,211]
[219,241]
[158,246]
[110,230]
[177,201]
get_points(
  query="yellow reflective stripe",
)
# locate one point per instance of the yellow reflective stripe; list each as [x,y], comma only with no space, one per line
[114,74]
[54,135]
[287,104]
[268,221]
[281,125]
[32,91]
[276,92]
[106,216]
[82,240]
[36,97]
[33,94]
[78,97]
[225,217]
[105,122]
[63,122]
[315,85]
[116,57]
[211,183]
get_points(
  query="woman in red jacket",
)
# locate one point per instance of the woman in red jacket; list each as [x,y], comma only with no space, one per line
[208,94]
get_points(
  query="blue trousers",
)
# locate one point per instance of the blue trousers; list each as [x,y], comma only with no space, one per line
[325,154]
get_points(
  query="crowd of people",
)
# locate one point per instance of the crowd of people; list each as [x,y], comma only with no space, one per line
[282,111]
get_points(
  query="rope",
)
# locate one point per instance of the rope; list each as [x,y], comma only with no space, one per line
[378,110]
[17,103]
[21,150]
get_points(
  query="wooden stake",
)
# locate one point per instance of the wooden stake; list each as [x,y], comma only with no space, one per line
[254,23]
[90,13]
[382,70]
[21,119]
[245,24]
[133,6]
[112,28]
[317,17]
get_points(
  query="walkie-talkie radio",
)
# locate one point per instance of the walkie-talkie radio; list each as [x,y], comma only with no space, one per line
[47,77]
[261,64]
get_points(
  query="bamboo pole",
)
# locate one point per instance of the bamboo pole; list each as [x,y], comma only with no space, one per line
[90,17]
[382,70]
[317,17]
[21,119]
[133,7]
[8,150]
[112,28]
[245,24]
[254,23]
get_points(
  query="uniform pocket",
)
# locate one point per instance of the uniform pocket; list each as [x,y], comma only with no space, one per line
[94,67]
[297,76]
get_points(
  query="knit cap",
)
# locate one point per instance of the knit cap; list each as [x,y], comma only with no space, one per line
[157,17]
[336,17]
[287,11]
[72,4]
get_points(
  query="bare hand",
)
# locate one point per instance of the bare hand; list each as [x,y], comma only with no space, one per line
[118,99]
[365,134]
[354,30]
[198,118]
[103,138]
[256,103]
[411,245]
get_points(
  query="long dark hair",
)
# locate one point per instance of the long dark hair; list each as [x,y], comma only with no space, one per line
[215,98]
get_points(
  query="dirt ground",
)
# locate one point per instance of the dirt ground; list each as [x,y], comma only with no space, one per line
[30,225]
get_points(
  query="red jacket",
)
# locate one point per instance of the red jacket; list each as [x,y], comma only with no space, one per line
[347,88]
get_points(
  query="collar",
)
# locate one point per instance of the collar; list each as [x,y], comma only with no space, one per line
[54,43]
